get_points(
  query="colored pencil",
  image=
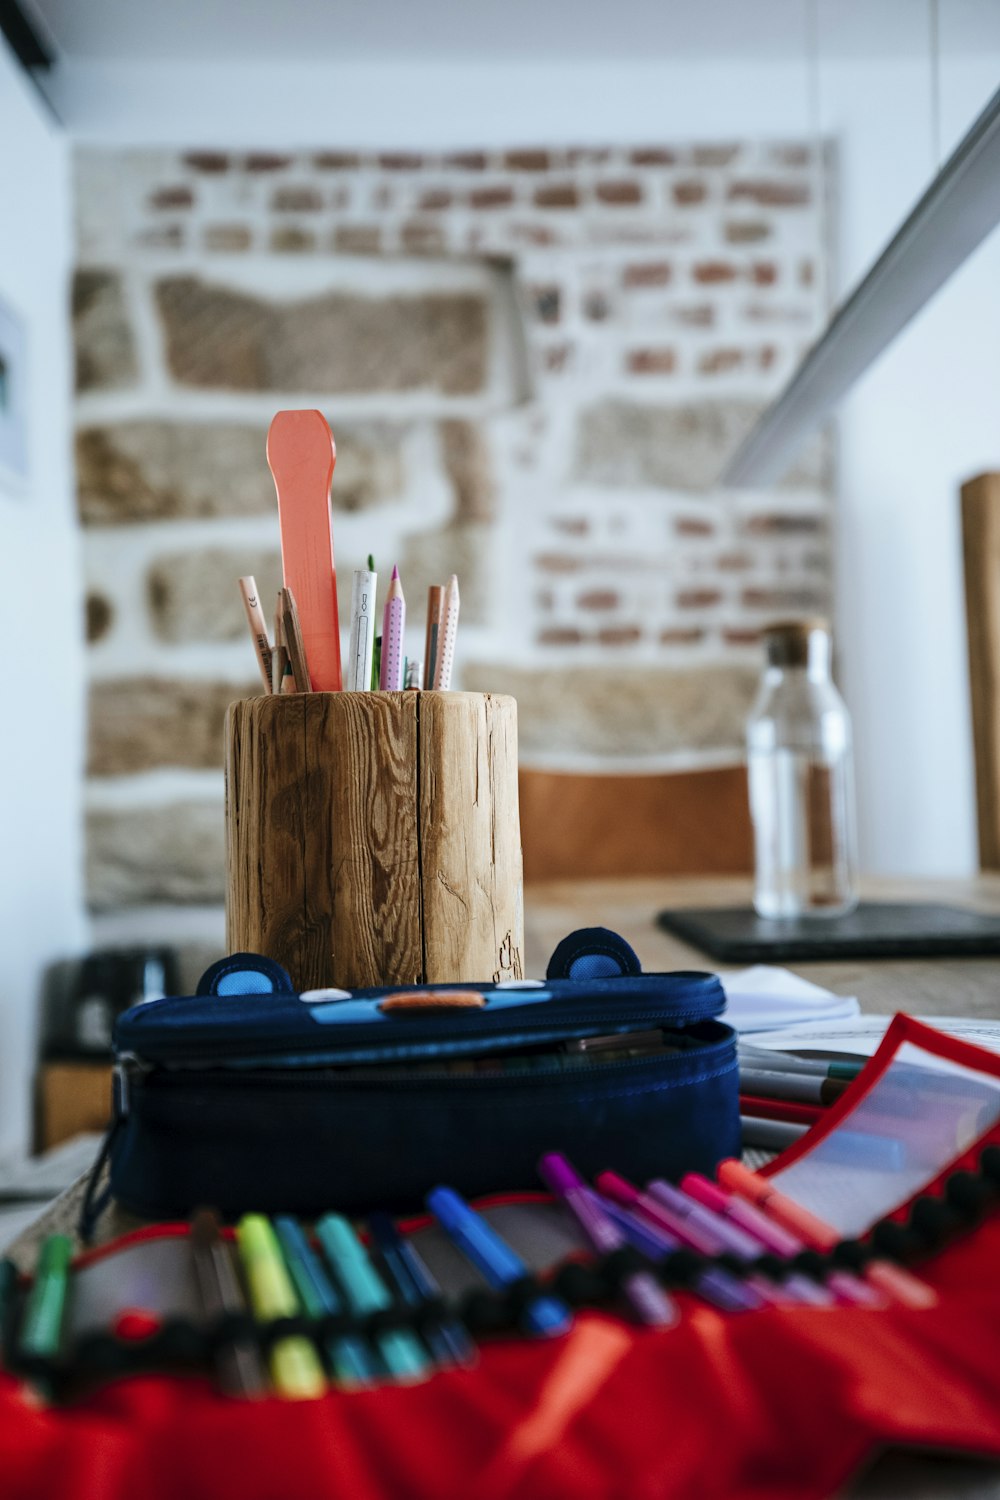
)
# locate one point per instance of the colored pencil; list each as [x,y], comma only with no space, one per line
[393,626]
[435,605]
[258,627]
[294,644]
[445,658]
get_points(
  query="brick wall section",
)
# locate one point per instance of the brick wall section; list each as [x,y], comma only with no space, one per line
[535,363]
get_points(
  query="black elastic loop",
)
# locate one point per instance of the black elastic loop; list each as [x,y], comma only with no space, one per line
[989,1163]
[850,1255]
[577,1283]
[682,1267]
[895,1240]
[968,1194]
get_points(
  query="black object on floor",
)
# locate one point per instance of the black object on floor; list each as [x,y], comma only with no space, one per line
[875,929]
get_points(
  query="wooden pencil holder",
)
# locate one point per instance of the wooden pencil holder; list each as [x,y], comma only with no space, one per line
[373,838]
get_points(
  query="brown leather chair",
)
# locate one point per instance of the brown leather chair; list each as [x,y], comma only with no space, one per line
[588,826]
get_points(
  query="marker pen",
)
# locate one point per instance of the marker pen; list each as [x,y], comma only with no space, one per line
[641,1290]
[691,1236]
[492,1256]
[366,1292]
[890,1279]
[795,1289]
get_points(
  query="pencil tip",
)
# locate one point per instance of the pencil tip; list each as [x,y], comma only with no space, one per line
[395,571]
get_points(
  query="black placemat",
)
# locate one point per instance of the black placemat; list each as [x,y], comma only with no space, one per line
[875,929]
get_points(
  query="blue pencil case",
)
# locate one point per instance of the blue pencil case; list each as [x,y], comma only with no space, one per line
[250,1096]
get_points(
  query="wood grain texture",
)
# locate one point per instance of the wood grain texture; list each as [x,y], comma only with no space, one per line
[358,824]
[470,837]
[692,822]
[981,548]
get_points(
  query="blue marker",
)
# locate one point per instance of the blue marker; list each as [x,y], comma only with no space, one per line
[494,1258]
[447,1338]
[351,1361]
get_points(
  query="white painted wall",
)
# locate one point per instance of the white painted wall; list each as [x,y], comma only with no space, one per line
[926,417]
[41,914]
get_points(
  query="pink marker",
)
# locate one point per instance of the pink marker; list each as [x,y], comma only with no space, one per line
[626,1195]
[641,1288]
[848,1289]
[793,1290]
[390,677]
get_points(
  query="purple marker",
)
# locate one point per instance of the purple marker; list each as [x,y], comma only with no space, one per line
[770,1235]
[641,1289]
[713,1286]
[744,1246]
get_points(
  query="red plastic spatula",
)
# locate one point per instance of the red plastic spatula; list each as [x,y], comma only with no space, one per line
[301,454]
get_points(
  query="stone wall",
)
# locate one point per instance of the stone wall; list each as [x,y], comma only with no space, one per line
[535,364]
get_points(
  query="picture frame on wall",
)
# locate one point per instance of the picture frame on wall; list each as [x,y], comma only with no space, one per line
[13,400]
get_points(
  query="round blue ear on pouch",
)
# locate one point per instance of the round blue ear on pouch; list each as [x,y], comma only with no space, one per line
[593,953]
[245,974]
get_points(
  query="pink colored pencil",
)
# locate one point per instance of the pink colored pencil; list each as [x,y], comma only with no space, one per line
[393,624]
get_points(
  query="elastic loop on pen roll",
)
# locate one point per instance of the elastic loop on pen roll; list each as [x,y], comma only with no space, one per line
[484,1312]
[850,1255]
[895,1240]
[230,1328]
[771,1266]
[989,1163]
[968,1194]
[618,1265]
[810,1263]
[934,1220]
[578,1283]
[389,1319]
[520,1294]
[681,1267]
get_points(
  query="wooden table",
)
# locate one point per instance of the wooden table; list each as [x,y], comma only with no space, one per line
[925,986]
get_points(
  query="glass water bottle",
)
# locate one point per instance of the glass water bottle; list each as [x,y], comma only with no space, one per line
[801,780]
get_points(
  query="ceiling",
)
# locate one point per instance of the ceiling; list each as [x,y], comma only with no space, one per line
[261,30]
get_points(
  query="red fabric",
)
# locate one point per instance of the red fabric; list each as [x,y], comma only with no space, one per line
[781,1403]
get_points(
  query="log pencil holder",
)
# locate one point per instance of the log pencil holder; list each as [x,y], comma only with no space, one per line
[373,838]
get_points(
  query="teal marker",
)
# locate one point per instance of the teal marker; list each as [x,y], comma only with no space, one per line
[366,1293]
[41,1326]
[350,1359]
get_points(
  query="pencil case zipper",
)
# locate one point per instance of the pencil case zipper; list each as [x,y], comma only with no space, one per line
[328,1079]
[356,1043]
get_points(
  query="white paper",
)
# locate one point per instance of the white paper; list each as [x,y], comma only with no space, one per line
[861,1037]
[764,999]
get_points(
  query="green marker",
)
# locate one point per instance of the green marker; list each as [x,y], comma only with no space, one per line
[366,1293]
[41,1326]
[294,1363]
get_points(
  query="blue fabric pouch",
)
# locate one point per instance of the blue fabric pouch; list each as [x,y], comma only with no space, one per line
[250,1096]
